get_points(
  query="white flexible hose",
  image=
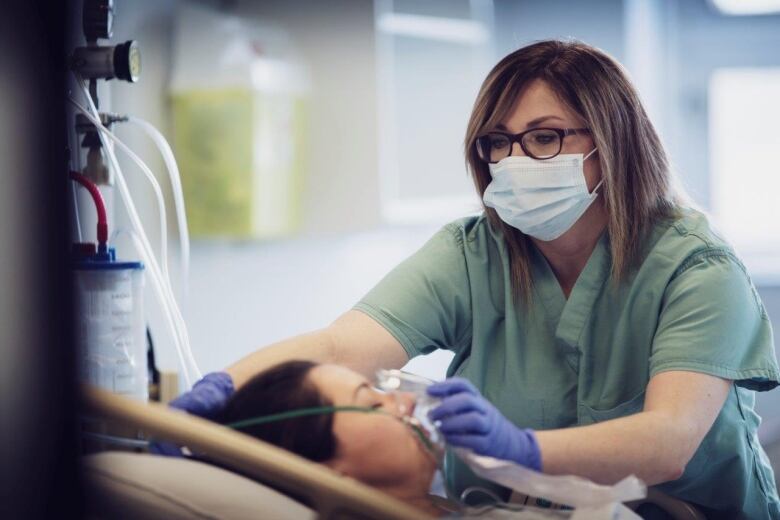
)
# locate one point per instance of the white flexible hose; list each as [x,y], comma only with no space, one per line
[76,195]
[178,193]
[147,172]
[155,275]
[159,292]
[76,210]
[161,284]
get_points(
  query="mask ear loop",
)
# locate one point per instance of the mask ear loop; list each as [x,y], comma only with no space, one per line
[595,191]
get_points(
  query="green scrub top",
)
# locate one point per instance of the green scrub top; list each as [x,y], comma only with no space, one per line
[560,363]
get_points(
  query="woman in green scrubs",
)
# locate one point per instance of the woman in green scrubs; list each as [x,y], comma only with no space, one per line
[604,327]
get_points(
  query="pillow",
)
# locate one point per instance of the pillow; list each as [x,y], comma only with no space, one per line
[132,485]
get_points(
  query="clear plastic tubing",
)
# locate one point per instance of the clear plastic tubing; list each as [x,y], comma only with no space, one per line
[159,283]
[105,132]
[178,193]
[76,211]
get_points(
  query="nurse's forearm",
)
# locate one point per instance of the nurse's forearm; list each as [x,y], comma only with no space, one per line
[314,346]
[354,340]
[656,444]
[647,444]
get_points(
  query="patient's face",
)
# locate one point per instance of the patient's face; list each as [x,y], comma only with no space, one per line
[374,448]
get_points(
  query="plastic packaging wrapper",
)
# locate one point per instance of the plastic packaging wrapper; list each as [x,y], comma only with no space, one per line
[612,511]
[589,500]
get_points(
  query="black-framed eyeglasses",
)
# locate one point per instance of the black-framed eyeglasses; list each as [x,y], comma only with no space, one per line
[537,143]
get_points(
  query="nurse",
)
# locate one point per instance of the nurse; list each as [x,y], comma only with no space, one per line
[600,326]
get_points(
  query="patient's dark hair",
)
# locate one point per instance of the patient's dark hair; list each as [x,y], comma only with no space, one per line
[283,388]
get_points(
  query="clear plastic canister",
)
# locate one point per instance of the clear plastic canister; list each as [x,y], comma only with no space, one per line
[110,325]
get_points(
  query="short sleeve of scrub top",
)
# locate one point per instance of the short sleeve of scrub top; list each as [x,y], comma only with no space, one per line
[712,321]
[425,302]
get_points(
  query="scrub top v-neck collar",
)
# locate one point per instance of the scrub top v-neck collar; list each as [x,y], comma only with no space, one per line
[568,316]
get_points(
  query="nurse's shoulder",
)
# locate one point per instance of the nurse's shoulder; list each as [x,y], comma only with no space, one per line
[691,261]
[688,260]
[474,234]
[689,236]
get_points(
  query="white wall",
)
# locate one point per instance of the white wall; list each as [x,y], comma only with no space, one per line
[245,297]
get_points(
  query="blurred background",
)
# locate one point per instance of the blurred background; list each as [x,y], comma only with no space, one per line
[320,142]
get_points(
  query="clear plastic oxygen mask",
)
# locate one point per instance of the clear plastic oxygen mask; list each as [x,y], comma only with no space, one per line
[399,381]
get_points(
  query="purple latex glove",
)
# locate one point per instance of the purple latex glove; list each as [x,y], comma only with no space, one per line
[206,399]
[468,420]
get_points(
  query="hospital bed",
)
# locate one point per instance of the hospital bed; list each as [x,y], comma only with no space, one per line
[255,480]
[113,478]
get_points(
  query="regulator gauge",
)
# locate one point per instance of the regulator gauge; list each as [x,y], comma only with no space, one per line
[127,61]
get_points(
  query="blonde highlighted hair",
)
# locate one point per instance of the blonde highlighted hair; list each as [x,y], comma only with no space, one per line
[638,188]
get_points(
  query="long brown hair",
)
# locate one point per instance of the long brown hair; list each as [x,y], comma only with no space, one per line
[637,182]
[283,388]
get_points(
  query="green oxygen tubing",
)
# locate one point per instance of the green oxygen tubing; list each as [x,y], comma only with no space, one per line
[324,410]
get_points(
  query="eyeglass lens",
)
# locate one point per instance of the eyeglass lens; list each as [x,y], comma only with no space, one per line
[539,144]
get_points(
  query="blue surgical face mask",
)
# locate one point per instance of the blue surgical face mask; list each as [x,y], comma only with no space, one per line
[542,199]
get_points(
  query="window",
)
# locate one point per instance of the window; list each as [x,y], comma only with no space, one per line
[747,7]
[744,111]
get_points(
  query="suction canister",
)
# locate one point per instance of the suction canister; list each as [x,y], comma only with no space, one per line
[110,327]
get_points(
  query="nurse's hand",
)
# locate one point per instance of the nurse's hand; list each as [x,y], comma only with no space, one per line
[468,420]
[206,399]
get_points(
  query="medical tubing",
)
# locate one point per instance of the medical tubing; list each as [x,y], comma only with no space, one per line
[169,320]
[76,213]
[124,192]
[176,187]
[139,228]
[95,119]
[148,257]
[322,410]
[77,218]
[162,289]
[303,412]
[100,206]
[159,283]
[128,200]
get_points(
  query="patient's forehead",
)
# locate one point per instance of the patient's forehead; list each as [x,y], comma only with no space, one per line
[336,382]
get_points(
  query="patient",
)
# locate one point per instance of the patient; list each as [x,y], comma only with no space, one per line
[376,449]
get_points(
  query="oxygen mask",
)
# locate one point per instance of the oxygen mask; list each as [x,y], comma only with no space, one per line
[399,381]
